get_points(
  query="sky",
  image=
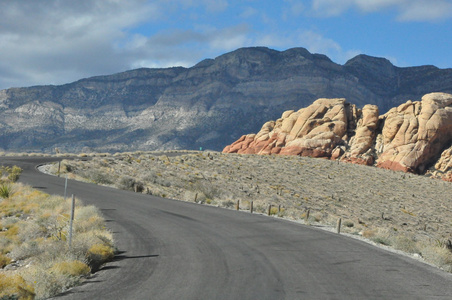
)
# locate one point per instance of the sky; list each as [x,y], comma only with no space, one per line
[60,41]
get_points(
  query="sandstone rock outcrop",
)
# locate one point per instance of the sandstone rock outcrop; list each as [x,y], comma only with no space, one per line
[443,166]
[410,137]
[414,133]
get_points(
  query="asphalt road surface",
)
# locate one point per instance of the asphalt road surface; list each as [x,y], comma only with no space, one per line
[178,250]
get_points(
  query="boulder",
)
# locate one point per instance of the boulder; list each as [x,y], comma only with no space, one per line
[414,133]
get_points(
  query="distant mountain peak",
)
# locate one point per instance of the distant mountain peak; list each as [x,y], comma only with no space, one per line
[208,105]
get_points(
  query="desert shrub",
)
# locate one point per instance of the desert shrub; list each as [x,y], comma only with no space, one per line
[14,173]
[4,260]
[15,287]
[438,255]
[348,224]
[405,244]
[97,177]
[206,188]
[228,203]
[46,283]
[82,242]
[99,254]
[381,240]
[88,218]
[5,244]
[42,238]
[5,190]
[129,183]
[26,250]
[71,268]
[11,173]
[31,231]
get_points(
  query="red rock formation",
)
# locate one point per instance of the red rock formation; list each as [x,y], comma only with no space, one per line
[407,138]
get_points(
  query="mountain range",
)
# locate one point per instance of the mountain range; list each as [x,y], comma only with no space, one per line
[207,106]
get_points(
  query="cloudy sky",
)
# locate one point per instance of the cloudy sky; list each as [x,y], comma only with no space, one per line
[60,41]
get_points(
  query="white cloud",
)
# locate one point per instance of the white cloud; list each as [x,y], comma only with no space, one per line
[427,11]
[65,40]
[408,10]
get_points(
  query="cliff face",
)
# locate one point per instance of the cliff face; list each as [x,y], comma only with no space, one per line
[207,105]
[412,137]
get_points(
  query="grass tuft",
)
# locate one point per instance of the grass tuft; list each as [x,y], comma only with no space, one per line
[15,287]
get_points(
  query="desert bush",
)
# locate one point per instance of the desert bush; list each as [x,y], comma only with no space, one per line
[5,190]
[88,219]
[46,283]
[30,231]
[41,238]
[273,210]
[4,260]
[206,188]
[438,255]
[99,254]
[26,250]
[404,243]
[71,268]
[97,177]
[129,183]
[11,173]
[15,287]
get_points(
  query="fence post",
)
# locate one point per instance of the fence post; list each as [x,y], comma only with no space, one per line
[72,220]
[65,189]
[238,205]
[251,207]
[269,209]
[307,215]
[339,221]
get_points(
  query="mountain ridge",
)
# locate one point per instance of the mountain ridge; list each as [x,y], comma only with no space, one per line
[207,105]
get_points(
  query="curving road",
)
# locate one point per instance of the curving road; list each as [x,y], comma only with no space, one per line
[178,250]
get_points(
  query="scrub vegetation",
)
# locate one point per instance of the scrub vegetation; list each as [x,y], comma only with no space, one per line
[36,261]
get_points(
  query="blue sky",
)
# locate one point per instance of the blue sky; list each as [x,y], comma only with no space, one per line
[60,41]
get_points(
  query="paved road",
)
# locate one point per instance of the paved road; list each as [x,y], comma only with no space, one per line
[177,250]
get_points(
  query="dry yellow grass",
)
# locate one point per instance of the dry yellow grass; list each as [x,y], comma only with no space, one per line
[34,228]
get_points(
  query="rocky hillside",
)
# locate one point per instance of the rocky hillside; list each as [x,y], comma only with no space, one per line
[413,137]
[208,105]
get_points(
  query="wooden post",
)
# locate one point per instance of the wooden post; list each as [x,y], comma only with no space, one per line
[196,197]
[251,207]
[279,208]
[65,189]
[269,209]
[72,220]
[339,221]
[307,215]
[238,205]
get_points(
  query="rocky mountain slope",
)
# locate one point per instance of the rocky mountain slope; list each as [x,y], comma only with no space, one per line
[412,137]
[208,105]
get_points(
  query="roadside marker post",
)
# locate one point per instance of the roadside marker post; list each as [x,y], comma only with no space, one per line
[72,220]
[339,221]
[65,188]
